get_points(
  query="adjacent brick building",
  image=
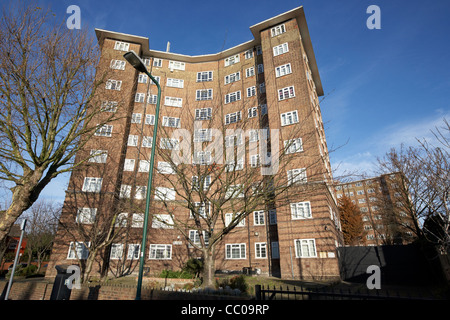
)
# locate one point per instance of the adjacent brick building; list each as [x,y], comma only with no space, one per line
[270,82]
[384,209]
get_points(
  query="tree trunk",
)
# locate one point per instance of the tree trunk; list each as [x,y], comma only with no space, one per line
[209,267]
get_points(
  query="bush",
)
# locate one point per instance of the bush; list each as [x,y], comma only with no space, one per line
[236,282]
[175,274]
[194,267]
[23,271]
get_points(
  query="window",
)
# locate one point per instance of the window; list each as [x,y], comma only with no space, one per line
[203,114]
[260,250]
[288,118]
[235,251]
[125,191]
[160,252]
[296,176]
[169,143]
[293,145]
[147,141]
[235,191]
[157,62]
[162,221]
[177,65]
[116,251]
[117,64]
[260,68]
[233,140]
[113,84]
[86,215]
[232,97]
[164,194]
[250,72]
[121,220]
[142,78]
[121,46]
[92,184]
[231,60]
[109,106]
[286,93]
[133,251]
[248,54]
[360,192]
[251,91]
[176,83]
[152,98]
[258,50]
[165,168]
[229,217]
[137,220]
[157,79]
[195,238]
[204,76]
[133,140]
[144,165]
[202,209]
[277,30]
[283,70]
[305,248]
[282,48]
[252,112]
[202,135]
[78,250]
[258,218]
[301,210]
[233,166]
[233,117]
[272,216]
[139,97]
[232,77]
[171,122]
[136,118]
[255,160]
[173,102]
[98,156]
[128,165]
[204,94]
[104,131]
[275,250]
[202,157]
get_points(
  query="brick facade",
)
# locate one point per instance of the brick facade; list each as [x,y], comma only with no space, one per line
[300,247]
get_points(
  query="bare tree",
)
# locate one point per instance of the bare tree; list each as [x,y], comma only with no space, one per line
[42,219]
[424,184]
[47,106]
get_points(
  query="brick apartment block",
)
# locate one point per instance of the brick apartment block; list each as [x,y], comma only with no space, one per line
[270,82]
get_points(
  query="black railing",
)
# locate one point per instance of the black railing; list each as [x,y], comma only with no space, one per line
[262,293]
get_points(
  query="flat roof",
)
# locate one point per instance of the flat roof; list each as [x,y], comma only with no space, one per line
[297,13]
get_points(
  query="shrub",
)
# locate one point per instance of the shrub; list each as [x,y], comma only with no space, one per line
[175,274]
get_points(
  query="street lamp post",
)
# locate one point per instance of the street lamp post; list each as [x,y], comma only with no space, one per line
[139,65]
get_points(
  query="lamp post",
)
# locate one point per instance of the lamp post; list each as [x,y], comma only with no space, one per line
[19,245]
[139,65]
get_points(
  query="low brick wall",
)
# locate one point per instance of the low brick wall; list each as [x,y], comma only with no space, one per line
[41,290]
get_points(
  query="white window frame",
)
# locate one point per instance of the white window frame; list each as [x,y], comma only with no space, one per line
[309,252]
[283,70]
[277,30]
[286,93]
[121,46]
[204,76]
[229,218]
[235,251]
[296,176]
[104,131]
[128,164]
[293,145]
[172,122]
[232,60]
[232,77]
[233,117]
[92,184]
[117,64]
[98,156]
[203,94]
[125,191]
[173,102]
[301,210]
[260,250]
[81,250]
[116,252]
[251,91]
[233,97]
[160,252]
[162,221]
[203,114]
[177,65]
[86,215]
[259,218]
[289,118]
[165,194]
[175,83]
[280,49]
[133,140]
[112,84]
[134,251]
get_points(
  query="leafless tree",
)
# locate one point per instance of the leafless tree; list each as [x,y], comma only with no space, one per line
[47,107]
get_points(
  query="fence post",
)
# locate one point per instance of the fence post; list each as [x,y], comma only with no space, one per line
[258,292]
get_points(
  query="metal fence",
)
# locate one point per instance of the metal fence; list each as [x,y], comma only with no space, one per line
[300,293]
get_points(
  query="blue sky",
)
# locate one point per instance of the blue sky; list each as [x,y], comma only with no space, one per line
[382,87]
